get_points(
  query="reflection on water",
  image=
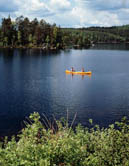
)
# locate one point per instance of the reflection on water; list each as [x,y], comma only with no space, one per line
[33,80]
[80,75]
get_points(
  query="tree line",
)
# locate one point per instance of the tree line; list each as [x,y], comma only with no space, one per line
[25,33]
[33,33]
[114,34]
[117,33]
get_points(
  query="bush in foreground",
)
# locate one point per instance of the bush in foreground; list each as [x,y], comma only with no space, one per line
[64,147]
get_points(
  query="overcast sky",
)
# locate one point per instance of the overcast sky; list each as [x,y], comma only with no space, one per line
[69,13]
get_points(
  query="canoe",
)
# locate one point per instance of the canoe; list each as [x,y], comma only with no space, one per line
[78,72]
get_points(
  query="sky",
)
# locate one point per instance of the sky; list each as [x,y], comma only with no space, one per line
[69,13]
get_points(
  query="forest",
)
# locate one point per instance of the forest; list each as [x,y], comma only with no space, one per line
[25,33]
[115,34]
[34,33]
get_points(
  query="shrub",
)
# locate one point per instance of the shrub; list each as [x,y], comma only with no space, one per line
[38,146]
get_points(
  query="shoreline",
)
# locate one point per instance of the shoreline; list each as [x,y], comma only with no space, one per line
[56,49]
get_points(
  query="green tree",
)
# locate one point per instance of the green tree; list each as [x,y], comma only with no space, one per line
[19,38]
[5,41]
[7,29]
[30,39]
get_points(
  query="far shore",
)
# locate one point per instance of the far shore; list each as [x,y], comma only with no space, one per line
[54,48]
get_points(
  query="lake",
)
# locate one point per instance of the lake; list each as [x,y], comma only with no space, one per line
[34,81]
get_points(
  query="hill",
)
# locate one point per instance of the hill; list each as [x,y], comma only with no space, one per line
[115,34]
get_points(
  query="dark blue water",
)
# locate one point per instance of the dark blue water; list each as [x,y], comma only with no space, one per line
[31,80]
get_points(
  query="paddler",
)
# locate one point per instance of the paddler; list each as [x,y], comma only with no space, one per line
[83,69]
[72,69]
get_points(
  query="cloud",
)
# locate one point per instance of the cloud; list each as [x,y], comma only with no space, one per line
[123,16]
[70,13]
[94,18]
[101,12]
[104,4]
[34,8]
[43,9]
[38,8]
[8,6]
[60,4]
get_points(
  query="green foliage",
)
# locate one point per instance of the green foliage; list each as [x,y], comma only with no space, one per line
[23,32]
[64,147]
[98,35]
[19,37]
[5,41]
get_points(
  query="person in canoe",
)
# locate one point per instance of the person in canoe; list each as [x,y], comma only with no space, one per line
[72,69]
[83,69]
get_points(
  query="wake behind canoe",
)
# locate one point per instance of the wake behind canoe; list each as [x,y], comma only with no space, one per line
[78,72]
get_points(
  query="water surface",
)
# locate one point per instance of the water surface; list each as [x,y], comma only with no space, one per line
[34,81]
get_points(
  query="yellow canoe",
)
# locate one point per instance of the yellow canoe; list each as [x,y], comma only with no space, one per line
[78,72]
